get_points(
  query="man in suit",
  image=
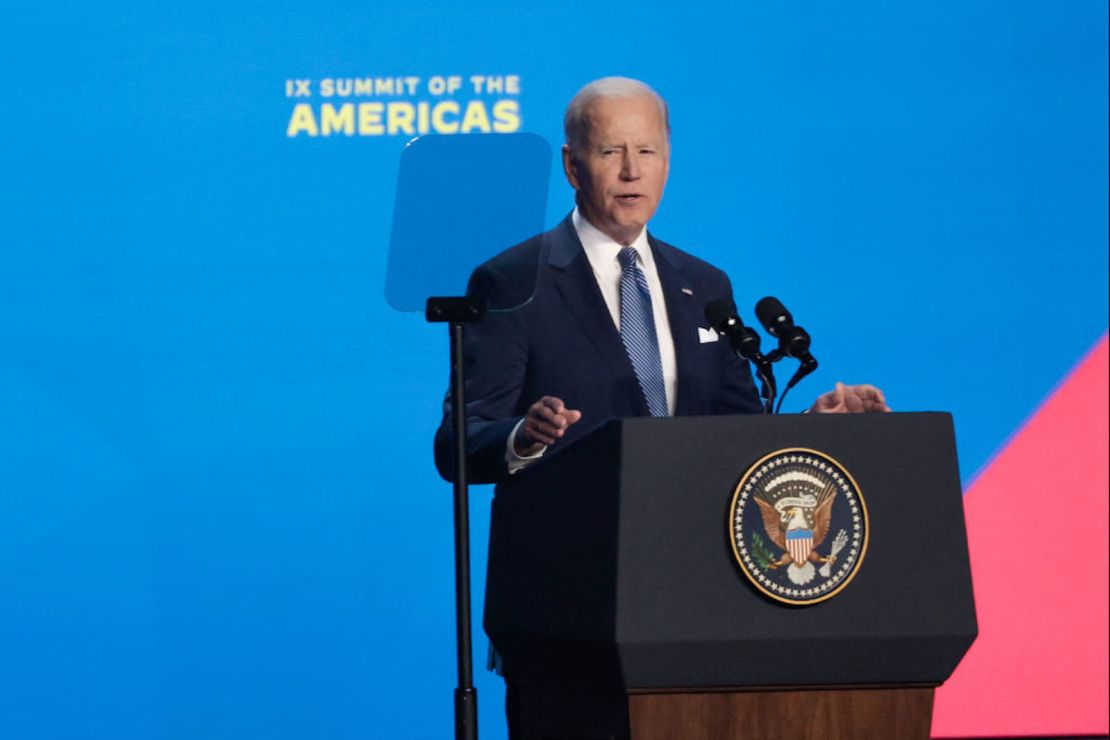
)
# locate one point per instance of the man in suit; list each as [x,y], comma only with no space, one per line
[612,328]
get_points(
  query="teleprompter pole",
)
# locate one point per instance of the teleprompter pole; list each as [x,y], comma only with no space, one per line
[457,312]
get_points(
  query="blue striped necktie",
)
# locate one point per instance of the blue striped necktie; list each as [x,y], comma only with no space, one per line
[638,332]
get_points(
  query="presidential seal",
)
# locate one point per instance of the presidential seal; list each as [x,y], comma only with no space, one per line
[798,526]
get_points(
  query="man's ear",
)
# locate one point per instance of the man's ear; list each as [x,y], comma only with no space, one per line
[570,167]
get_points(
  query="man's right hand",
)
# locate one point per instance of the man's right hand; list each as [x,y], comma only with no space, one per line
[546,421]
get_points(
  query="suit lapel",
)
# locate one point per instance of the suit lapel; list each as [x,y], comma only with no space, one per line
[681,314]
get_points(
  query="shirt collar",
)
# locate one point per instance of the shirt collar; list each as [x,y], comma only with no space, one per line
[601,248]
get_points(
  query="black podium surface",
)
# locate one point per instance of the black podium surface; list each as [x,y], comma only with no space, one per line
[611,565]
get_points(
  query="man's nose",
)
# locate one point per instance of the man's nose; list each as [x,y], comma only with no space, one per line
[630,167]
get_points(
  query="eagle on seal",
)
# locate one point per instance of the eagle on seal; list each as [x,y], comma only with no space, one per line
[798,531]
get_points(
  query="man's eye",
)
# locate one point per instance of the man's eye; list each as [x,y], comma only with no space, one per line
[647,151]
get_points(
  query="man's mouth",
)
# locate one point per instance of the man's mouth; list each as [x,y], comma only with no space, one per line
[629,197]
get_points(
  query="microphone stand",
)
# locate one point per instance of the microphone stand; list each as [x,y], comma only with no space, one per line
[457,312]
[805,368]
[767,388]
[762,363]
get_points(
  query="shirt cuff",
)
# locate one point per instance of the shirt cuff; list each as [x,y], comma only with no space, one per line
[519,462]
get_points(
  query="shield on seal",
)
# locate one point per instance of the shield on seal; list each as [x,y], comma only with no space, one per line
[799,543]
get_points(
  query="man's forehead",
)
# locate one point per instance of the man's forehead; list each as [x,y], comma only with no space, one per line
[638,115]
[624,105]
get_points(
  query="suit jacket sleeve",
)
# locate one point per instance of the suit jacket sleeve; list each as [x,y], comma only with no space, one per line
[495,361]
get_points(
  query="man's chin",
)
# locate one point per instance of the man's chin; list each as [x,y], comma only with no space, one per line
[628,228]
[624,228]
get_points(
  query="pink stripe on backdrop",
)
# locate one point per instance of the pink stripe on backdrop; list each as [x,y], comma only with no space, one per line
[1037,521]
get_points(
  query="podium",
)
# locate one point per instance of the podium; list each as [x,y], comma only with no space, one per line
[620,610]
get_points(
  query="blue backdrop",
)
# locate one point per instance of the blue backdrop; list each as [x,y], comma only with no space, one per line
[218,512]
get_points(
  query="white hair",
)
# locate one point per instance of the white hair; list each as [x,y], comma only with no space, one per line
[576,121]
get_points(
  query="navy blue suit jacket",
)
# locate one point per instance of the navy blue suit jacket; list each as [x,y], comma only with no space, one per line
[563,343]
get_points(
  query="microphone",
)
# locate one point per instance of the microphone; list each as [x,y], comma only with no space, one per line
[793,340]
[722,316]
[744,341]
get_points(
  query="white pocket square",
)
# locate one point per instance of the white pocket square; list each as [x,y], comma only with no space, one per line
[707,335]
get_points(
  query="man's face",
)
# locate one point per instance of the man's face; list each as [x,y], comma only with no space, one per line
[620,175]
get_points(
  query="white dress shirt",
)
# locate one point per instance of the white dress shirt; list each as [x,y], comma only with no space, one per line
[601,251]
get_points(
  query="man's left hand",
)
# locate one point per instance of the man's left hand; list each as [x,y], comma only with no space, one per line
[851,399]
